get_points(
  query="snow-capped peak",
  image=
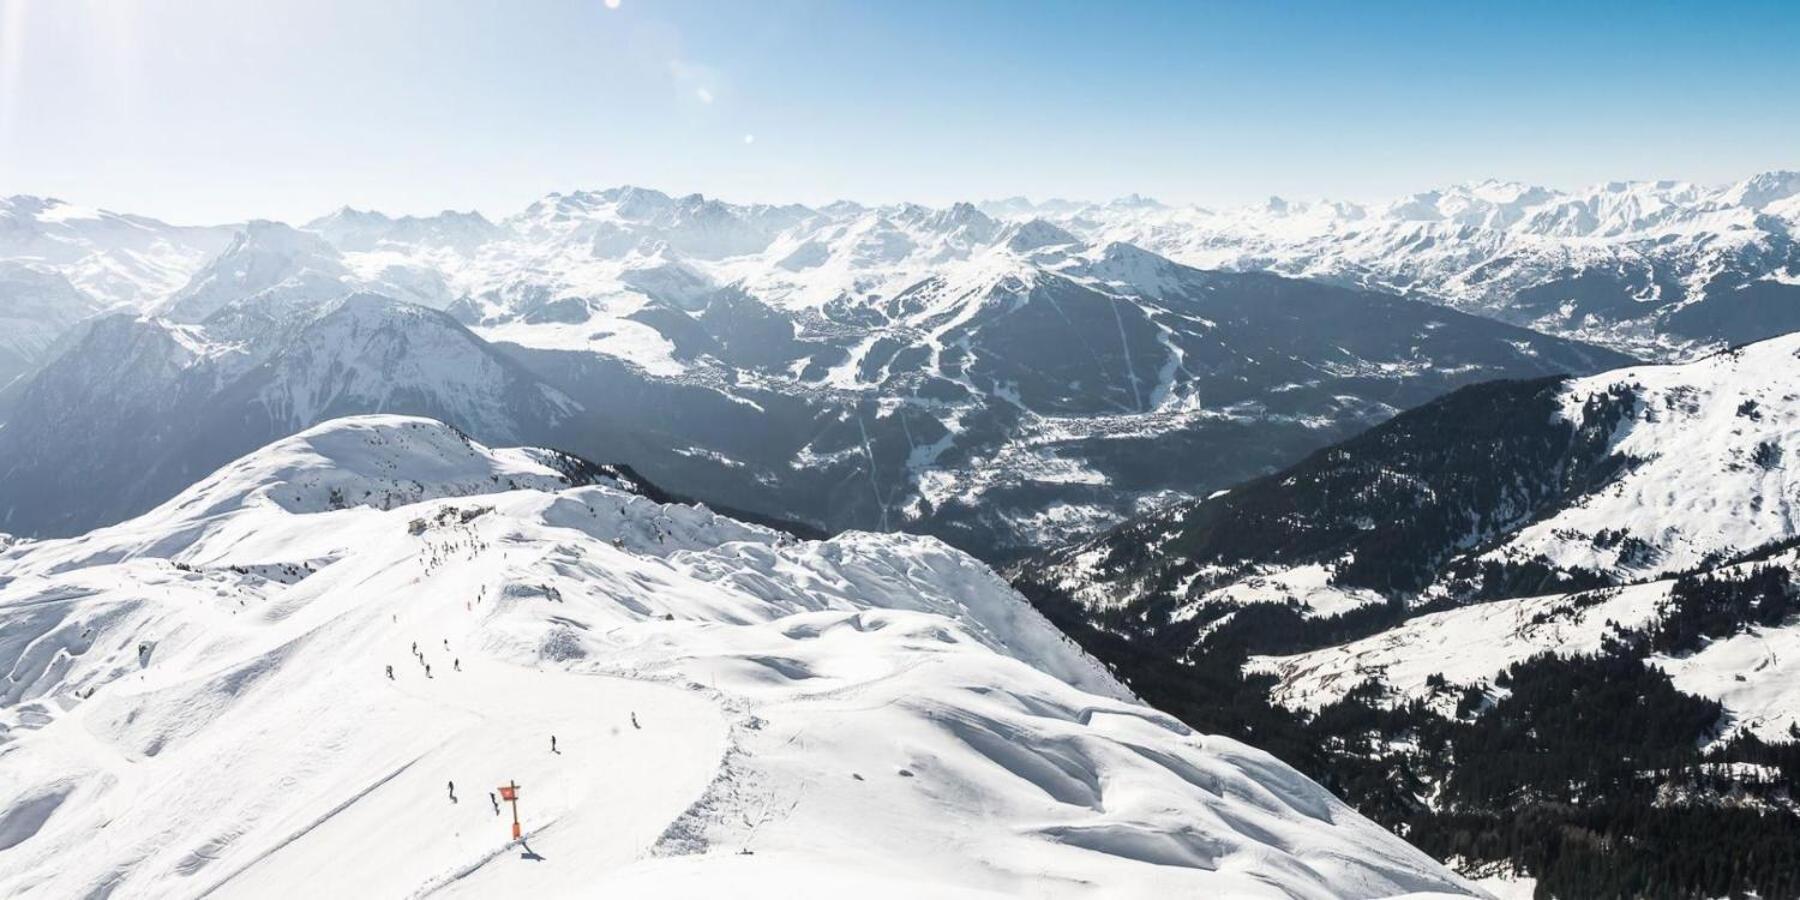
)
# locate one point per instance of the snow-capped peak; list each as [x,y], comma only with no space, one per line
[1758,191]
[379,461]
[283,262]
[1035,234]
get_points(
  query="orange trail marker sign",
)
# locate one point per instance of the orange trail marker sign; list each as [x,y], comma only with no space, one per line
[510,793]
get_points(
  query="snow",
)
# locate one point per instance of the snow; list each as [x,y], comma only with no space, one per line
[1695,493]
[129,262]
[1698,489]
[620,338]
[1478,246]
[1474,246]
[1467,646]
[265,258]
[1309,586]
[884,303]
[1755,675]
[612,273]
[1509,886]
[198,707]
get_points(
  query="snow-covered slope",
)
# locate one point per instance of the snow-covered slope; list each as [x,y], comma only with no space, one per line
[37,309]
[1711,467]
[123,261]
[1702,473]
[279,265]
[1528,620]
[140,408]
[1500,490]
[1751,673]
[1022,375]
[359,230]
[199,707]
[61,264]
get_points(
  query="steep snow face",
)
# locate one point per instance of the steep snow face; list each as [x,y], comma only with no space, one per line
[36,309]
[140,408]
[372,353]
[206,686]
[1652,268]
[123,261]
[62,264]
[279,265]
[1710,452]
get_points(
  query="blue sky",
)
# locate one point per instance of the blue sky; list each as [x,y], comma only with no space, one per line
[207,110]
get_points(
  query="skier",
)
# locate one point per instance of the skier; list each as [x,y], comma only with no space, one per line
[457,663]
[553,743]
[428,670]
[415,648]
[634,723]
[494,800]
[452,791]
[390,671]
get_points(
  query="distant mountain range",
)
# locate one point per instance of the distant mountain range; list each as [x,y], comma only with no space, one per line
[1660,269]
[1007,385]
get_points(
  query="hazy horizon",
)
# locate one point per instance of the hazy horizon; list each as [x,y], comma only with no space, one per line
[502,212]
[209,111]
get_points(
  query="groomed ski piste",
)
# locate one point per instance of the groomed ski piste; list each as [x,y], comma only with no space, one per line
[197,704]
